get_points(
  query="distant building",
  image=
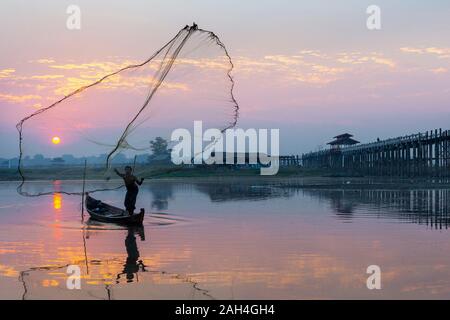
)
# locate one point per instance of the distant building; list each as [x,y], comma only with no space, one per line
[342,140]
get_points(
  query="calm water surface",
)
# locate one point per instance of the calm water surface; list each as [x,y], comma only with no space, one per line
[228,240]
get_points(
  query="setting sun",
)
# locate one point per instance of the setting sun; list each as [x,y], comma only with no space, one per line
[56,140]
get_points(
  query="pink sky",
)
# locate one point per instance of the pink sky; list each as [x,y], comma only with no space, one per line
[311,70]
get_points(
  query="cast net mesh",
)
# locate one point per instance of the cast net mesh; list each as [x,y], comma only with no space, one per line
[118,114]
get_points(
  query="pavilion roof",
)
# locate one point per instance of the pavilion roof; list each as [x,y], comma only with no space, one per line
[345,141]
[344,135]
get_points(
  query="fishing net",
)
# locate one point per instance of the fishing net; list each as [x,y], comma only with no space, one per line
[110,121]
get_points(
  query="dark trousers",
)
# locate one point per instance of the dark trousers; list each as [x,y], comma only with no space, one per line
[130,199]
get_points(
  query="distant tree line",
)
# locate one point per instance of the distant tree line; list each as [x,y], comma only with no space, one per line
[158,146]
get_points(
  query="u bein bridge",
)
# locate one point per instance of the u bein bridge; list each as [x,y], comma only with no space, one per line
[422,154]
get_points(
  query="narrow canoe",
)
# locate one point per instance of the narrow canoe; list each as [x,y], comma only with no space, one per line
[101,211]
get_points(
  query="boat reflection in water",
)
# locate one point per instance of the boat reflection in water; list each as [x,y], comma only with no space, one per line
[110,275]
[97,273]
[133,265]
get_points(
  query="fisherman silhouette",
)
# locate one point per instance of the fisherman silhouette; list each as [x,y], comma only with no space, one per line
[132,184]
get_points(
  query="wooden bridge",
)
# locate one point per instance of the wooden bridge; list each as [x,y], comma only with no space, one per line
[422,154]
[286,161]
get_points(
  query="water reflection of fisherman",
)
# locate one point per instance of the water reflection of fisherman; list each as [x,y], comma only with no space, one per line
[132,264]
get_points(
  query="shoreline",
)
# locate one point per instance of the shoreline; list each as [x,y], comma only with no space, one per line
[288,177]
[285,182]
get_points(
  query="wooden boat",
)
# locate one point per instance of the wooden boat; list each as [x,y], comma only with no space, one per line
[101,211]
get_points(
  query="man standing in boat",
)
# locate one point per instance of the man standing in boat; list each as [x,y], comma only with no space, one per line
[132,184]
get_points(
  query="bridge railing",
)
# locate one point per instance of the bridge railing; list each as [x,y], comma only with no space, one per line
[383,143]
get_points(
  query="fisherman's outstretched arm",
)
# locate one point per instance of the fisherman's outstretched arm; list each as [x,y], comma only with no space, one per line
[139,182]
[118,173]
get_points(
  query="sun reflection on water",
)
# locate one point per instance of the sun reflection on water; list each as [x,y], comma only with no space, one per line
[57,201]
